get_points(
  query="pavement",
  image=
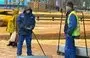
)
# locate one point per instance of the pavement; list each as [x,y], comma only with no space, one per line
[10,52]
[49,47]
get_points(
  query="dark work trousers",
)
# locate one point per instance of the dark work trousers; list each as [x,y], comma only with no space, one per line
[28,39]
[70,50]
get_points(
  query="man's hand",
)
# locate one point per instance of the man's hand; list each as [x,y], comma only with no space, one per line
[29,28]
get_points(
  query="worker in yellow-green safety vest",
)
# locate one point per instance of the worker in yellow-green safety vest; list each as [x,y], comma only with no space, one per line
[71,30]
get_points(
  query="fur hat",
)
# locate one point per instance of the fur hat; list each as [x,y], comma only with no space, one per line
[70,4]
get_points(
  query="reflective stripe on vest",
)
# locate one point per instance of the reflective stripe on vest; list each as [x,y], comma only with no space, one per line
[77,29]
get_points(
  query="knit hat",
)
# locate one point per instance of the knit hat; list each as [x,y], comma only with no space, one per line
[70,4]
[27,8]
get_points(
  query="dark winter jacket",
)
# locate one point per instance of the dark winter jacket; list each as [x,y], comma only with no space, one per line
[26,23]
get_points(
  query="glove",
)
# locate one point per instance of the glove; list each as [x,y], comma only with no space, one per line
[29,28]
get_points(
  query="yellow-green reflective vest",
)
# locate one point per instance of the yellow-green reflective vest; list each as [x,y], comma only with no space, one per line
[76,32]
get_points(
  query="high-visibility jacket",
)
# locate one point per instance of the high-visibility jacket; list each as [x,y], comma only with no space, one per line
[11,27]
[76,31]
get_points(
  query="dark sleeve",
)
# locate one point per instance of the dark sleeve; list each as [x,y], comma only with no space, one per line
[20,22]
[34,22]
[72,24]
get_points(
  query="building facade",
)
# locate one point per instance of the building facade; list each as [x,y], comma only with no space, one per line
[48,4]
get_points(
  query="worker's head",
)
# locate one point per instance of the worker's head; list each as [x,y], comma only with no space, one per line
[69,6]
[16,11]
[28,10]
